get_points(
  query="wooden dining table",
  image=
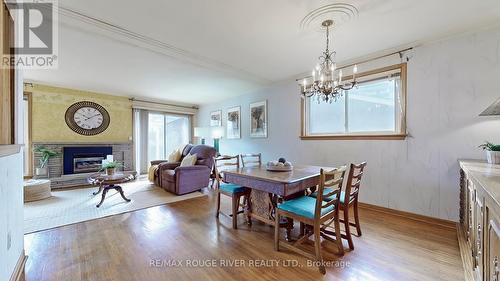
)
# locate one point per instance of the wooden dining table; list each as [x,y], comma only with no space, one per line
[268,188]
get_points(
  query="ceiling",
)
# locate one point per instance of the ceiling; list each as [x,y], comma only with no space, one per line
[199,52]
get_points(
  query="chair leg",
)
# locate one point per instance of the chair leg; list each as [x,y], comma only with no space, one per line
[317,247]
[356,217]
[277,232]
[338,236]
[302,229]
[236,200]
[347,228]
[218,205]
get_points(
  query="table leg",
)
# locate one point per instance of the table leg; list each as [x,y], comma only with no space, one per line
[248,208]
[98,191]
[119,189]
[262,206]
[288,227]
[103,196]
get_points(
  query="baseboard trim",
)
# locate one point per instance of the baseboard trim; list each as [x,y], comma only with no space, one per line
[412,216]
[19,269]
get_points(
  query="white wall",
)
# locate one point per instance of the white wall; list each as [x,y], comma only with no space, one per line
[11,193]
[449,83]
[11,213]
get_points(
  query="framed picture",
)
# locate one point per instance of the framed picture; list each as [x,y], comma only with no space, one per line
[216,118]
[233,123]
[258,119]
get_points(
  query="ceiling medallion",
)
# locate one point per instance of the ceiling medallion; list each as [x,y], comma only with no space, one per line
[326,83]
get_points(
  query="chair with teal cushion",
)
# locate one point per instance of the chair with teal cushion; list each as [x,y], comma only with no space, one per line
[349,199]
[231,188]
[236,192]
[326,191]
[314,212]
[303,206]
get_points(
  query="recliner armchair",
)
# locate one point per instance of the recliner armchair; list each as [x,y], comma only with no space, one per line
[182,180]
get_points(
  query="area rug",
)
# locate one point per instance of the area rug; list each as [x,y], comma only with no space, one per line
[77,205]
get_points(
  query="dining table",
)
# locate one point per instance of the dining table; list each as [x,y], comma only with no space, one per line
[268,188]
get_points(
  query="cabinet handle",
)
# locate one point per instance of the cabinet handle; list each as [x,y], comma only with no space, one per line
[496,269]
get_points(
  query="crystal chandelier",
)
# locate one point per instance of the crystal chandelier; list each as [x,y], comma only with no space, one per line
[327,84]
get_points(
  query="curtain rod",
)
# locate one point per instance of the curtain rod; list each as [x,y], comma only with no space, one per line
[162,103]
[365,61]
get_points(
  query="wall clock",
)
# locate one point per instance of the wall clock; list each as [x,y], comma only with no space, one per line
[87,118]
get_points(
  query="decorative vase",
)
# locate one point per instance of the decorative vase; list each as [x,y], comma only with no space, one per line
[110,171]
[493,157]
[41,171]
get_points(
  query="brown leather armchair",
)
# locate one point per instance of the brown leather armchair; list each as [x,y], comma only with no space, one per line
[182,180]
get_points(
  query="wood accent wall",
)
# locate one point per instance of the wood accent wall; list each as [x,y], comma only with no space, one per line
[6,78]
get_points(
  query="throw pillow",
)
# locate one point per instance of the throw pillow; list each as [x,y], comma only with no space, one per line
[175,156]
[189,160]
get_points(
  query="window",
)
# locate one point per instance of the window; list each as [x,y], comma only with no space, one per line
[166,133]
[375,109]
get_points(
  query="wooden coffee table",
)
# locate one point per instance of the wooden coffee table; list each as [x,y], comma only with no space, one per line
[107,182]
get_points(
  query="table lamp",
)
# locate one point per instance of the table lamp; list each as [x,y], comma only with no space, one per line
[217,134]
[202,133]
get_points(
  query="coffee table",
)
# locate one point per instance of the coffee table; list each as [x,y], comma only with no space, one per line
[107,182]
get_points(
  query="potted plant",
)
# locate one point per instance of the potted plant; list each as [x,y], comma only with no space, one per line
[492,152]
[110,167]
[45,155]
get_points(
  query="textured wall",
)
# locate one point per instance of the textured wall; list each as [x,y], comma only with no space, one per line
[11,213]
[49,107]
[449,83]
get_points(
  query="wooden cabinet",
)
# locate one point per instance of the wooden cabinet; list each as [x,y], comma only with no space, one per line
[479,228]
[478,237]
[492,247]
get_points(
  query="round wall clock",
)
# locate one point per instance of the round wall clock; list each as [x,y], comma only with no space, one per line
[87,118]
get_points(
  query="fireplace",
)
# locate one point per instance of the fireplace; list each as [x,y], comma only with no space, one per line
[84,159]
[86,163]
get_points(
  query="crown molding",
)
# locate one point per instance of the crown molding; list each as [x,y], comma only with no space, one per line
[124,35]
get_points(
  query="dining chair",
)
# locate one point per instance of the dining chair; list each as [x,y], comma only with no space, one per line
[212,174]
[349,199]
[229,189]
[314,212]
[254,159]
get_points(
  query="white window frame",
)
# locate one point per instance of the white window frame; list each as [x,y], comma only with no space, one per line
[399,134]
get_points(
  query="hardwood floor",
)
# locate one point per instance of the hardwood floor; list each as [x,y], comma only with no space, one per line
[139,245]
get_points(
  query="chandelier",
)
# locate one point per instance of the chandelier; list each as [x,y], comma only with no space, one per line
[327,84]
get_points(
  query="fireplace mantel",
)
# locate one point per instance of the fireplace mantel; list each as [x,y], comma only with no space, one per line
[122,152]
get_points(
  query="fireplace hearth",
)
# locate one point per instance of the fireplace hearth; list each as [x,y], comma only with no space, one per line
[62,167]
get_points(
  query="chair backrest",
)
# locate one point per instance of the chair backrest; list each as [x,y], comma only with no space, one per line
[333,180]
[224,162]
[186,150]
[204,154]
[353,181]
[254,159]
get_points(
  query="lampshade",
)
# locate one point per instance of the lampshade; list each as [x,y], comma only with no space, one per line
[201,132]
[493,109]
[217,132]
